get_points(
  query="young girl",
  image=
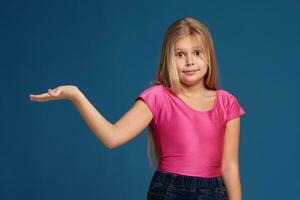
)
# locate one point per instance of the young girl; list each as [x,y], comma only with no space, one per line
[193,125]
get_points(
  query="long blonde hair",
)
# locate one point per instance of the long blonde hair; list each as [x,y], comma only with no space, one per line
[167,73]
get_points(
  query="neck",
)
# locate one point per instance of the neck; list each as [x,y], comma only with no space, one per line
[195,90]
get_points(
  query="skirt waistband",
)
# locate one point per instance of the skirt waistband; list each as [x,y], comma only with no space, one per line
[184,181]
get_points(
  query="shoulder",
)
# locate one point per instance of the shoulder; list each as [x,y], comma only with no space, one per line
[225,95]
[231,104]
[153,93]
[227,98]
[154,90]
[153,97]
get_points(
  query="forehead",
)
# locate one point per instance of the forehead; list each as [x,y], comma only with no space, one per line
[190,41]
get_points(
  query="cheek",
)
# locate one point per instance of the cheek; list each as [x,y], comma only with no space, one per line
[180,62]
[201,62]
[179,65]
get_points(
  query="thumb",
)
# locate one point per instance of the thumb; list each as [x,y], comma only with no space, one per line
[51,92]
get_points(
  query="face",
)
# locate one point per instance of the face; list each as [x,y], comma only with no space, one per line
[190,61]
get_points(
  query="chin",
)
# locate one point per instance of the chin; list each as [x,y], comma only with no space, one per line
[191,79]
[190,83]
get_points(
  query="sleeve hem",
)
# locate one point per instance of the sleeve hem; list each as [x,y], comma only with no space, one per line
[235,116]
[147,103]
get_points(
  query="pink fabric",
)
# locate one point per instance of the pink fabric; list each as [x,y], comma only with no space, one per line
[190,142]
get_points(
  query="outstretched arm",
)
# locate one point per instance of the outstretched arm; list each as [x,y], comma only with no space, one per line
[111,135]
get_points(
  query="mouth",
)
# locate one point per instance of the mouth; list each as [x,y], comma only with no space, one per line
[190,71]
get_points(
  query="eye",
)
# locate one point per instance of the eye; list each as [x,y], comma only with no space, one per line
[198,53]
[178,54]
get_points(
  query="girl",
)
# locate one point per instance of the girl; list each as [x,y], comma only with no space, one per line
[193,125]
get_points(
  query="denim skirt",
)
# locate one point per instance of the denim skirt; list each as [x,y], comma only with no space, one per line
[170,186]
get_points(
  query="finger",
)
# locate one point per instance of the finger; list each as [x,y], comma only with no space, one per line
[37,97]
[40,97]
[53,93]
[57,92]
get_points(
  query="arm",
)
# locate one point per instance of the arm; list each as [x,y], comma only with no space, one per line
[114,135]
[111,135]
[230,163]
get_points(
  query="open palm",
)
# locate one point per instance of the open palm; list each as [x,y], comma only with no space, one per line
[60,92]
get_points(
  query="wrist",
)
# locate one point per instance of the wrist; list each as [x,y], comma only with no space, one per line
[75,94]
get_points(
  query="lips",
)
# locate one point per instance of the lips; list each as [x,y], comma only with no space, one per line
[185,71]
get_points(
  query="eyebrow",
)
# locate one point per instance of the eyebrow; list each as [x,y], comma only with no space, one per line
[197,47]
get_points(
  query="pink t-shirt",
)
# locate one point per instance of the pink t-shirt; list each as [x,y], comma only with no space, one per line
[190,142]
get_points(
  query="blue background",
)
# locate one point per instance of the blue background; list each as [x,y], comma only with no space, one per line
[110,50]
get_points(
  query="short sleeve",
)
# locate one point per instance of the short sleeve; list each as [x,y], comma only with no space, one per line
[151,96]
[234,109]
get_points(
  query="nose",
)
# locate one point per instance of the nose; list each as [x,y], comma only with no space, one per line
[189,60]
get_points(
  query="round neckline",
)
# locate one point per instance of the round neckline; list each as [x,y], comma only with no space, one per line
[198,111]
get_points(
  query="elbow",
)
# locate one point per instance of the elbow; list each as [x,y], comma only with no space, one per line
[112,143]
[110,146]
[108,143]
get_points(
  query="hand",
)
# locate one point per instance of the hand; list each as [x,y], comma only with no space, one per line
[62,92]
